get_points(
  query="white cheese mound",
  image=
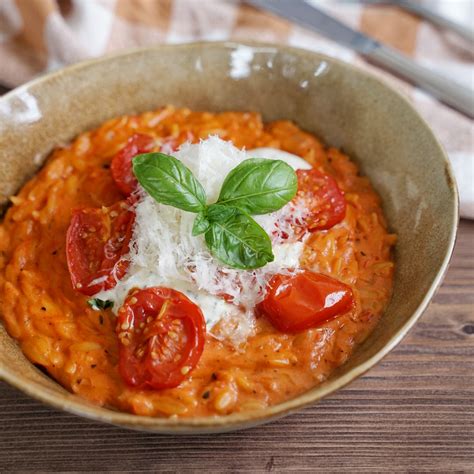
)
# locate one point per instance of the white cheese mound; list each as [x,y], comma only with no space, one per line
[294,161]
[163,251]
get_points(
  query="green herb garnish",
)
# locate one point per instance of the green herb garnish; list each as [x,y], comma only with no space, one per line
[236,239]
[97,304]
[255,186]
[259,186]
[168,181]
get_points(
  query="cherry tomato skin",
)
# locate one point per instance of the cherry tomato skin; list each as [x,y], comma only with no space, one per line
[161,336]
[171,143]
[304,300]
[121,166]
[96,241]
[323,198]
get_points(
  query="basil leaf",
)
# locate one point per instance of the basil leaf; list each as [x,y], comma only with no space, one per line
[97,304]
[216,212]
[236,239]
[169,182]
[259,186]
[201,224]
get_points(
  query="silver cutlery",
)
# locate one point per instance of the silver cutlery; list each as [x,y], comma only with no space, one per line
[448,91]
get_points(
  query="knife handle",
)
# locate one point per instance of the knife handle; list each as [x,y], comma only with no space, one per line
[446,90]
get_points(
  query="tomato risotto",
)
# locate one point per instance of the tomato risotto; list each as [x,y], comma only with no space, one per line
[180,263]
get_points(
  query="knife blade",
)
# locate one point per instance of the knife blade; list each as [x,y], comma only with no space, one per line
[448,91]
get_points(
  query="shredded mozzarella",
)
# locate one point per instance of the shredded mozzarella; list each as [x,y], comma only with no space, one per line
[163,251]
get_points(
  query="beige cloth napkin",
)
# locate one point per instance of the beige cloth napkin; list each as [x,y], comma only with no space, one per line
[37,36]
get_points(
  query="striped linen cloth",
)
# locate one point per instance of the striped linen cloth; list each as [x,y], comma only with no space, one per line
[37,36]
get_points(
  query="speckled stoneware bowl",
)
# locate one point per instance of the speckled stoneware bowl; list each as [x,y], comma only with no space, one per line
[342,105]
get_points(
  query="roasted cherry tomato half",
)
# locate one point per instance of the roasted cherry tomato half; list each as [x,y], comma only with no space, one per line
[304,300]
[323,198]
[121,166]
[161,336]
[96,241]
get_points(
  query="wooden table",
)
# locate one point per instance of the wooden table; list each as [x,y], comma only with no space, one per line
[413,412]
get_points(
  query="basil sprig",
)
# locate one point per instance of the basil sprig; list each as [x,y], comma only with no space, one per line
[255,186]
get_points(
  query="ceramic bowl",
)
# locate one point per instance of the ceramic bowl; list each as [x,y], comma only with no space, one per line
[346,107]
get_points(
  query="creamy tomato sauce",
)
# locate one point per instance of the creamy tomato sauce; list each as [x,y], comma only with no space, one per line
[78,346]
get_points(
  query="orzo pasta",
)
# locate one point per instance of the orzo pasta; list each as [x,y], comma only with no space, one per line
[276,359]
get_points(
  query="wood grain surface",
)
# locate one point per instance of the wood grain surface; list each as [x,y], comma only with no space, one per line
[414,412]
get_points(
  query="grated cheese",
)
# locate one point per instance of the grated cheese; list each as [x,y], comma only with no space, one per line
[163,251]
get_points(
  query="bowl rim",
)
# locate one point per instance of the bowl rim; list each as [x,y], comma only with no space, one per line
[248,419]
